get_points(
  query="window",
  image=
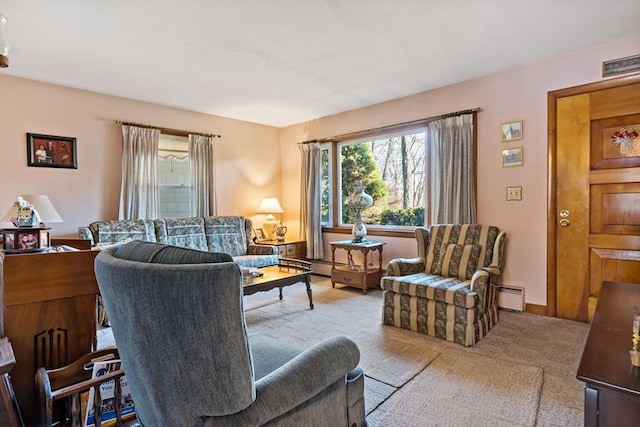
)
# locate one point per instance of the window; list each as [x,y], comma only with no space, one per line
[174,177]
[393,169]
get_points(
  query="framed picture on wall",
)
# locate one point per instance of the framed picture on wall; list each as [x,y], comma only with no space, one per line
[512,157]
[51,151]
[512,131]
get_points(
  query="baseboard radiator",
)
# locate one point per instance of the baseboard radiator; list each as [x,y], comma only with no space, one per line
[511,298]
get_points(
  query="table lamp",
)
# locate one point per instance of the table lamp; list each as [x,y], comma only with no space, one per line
[270,206]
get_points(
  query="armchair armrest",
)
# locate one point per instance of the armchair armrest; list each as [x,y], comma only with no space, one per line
[297,381]
[262,250]
[405,266]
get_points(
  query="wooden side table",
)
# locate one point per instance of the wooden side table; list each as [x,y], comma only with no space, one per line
[360,276]
[288,248]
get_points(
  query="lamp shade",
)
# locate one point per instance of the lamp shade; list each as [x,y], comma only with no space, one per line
[41,203]
[270,205]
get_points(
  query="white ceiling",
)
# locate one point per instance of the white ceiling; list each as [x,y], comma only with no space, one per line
[280,62]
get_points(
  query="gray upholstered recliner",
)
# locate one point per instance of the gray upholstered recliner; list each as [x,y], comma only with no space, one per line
[178,322]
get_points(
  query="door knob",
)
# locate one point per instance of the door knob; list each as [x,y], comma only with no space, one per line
[564,223]
[564,213]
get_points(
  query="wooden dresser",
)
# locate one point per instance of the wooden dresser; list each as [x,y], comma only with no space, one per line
[612,389]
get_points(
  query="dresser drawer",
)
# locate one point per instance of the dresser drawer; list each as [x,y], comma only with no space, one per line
[291,250]
[294,250]
[354,278]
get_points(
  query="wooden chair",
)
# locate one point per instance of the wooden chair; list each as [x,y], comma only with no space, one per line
[60,391]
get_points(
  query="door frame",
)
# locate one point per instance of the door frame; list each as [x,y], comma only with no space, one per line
[552,115]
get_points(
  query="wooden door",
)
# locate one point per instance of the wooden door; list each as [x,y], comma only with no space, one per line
[594,211]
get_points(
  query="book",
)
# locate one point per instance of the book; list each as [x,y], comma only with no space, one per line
[107,396]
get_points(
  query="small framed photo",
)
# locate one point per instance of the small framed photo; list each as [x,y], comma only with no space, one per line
[51,151]
[512,157]
[512,131]
[259,235]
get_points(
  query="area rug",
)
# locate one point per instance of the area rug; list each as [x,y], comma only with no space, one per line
[390,355]
[465,388]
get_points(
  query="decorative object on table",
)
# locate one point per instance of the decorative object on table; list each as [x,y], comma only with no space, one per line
[635,354]
[512,131]
[27,215]
[4,43]
[512,157]
[29,233]
[270,206]
[281,231]
[358,201]
[51,151]
[621,66]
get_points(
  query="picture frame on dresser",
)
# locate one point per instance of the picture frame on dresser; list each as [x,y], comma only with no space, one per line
[259,235]
[51,151]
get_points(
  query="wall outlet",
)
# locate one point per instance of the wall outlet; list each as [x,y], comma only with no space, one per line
[514,193]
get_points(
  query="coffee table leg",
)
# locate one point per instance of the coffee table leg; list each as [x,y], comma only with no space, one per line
[308,282]
[280,293]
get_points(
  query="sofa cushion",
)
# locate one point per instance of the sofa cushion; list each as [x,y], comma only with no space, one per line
[159,253]
[459,261]
[184,232]
[226,234]
[118,231]
[459,234]
[449,290]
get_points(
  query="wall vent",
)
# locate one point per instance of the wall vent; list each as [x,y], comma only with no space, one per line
[511,298]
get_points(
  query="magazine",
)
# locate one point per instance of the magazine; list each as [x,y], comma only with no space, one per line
[108,405]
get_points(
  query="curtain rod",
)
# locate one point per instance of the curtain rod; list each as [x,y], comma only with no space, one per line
[175,132]
[398,125]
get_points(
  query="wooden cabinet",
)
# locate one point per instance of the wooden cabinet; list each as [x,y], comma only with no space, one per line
[49,314]
[612,389]
[358,273]
[289,248]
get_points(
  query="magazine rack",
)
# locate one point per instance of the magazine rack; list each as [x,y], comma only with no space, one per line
[61,391]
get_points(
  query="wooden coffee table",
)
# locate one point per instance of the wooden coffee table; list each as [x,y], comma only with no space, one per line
[288,272]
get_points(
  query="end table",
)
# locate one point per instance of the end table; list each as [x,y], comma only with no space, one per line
[361,276]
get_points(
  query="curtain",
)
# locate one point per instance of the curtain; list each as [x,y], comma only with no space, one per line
[453,199]
[201,161]
[139,188]
[310,226]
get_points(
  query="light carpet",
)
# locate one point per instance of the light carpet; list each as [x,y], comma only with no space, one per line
[463,388]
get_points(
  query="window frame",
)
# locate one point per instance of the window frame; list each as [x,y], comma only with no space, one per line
[333,145]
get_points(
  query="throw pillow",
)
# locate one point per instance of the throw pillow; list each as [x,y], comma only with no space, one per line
[458,261]
[159,253]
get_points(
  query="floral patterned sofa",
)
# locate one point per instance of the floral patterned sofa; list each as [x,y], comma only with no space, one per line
[228,234]
[447,291]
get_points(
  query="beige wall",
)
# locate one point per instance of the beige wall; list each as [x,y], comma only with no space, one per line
[518,94]
[247,154]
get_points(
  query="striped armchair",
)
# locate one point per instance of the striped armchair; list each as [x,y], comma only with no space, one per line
[447,291]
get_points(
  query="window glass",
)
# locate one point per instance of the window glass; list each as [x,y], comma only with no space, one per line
[174,177]
[325,185]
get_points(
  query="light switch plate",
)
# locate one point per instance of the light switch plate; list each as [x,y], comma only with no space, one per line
[514,193]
